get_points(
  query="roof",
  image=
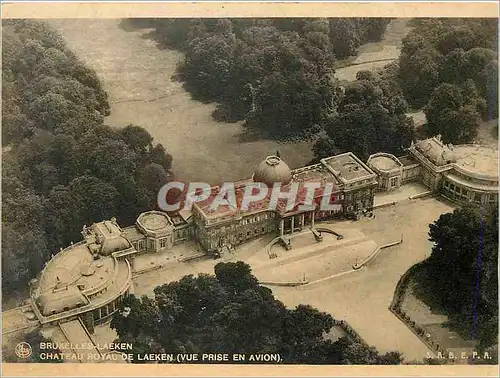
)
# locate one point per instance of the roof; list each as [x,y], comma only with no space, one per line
[185,215]
[477,160]
[114,244]
[61,300]
[77,273]
[272,170]
[106,237]
[334,170]
[75,266]
[154,223]
[384,162]
[434,150]
[315,174]
[64,267]
[348,167]
[407,160]
[132,233]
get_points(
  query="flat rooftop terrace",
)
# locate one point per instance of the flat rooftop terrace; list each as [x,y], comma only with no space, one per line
[348,166]
[385,163]
[477,159]
[407,160]
[314,173]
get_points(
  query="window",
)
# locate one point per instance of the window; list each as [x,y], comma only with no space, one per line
[477,198]
[163,243]
[452,187]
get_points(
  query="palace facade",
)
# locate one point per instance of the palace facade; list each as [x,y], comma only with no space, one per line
[463,173]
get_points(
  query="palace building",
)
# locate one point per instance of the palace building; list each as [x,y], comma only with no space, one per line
[88,280]
[463,173]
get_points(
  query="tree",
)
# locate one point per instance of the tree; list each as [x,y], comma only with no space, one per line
[370,118]
[35,339]
[207,65]
[449,51]
[346,36]
[230,312]
[275,74]
[454,269]
[325,147]
[64,167]
[454,113]
[419,74]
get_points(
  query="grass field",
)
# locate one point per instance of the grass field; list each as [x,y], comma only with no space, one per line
[372,56]
[137,76]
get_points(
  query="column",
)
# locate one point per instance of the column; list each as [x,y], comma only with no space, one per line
[312,219]
[100,313]
[281,227]
[293,223]
[302,221]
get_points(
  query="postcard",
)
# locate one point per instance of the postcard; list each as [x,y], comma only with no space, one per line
[194,188]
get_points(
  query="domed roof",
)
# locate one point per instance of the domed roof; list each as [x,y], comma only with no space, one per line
[272,170]
[437,152]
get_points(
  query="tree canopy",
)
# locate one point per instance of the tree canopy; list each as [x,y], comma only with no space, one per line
[371,117]
[275,74]
[450,67]
[230,312]
[34,338]
[62,166]
[463,268]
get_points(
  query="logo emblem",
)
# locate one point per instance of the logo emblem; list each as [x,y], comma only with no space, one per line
[23,350]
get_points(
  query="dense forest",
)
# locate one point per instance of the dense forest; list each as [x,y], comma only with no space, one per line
[275,74]
[450,68]
[229,312]
[278,76]
[62,167]
[462,272]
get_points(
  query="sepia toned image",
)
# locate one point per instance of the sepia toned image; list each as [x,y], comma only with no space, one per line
[222,190]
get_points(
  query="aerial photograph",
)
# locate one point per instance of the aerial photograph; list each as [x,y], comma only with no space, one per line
[293,191]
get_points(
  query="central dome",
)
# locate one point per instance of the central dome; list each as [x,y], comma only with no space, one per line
[272,170]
